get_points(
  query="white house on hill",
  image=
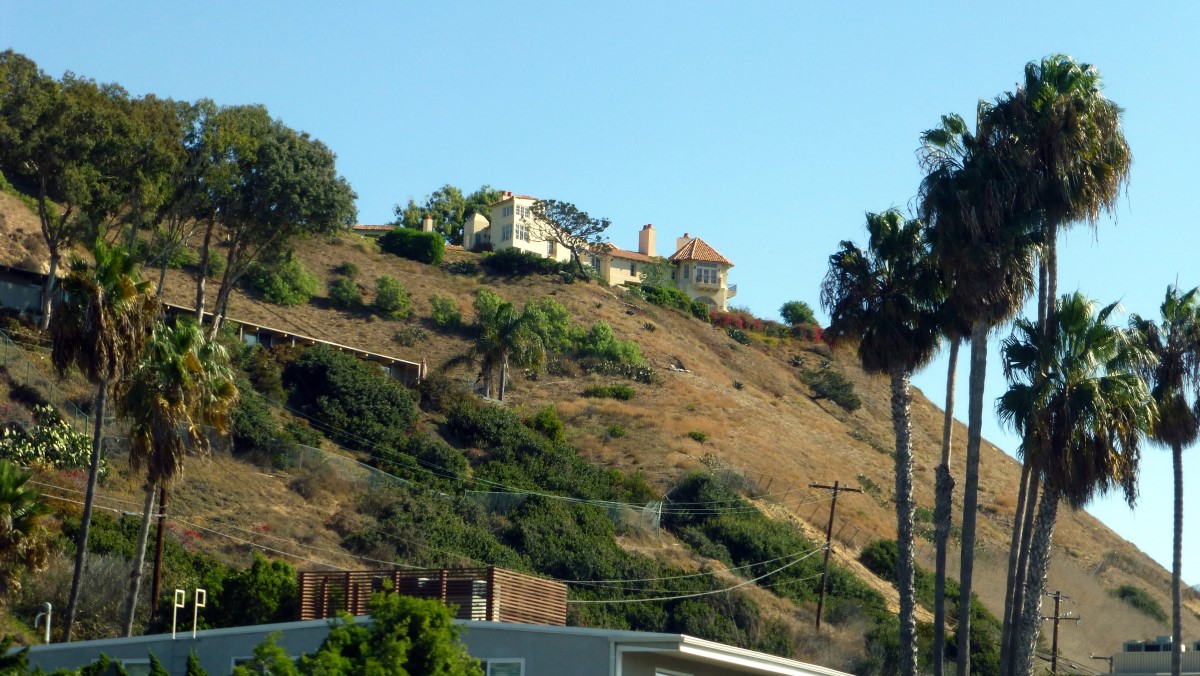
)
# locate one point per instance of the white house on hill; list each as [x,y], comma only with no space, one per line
[699,270]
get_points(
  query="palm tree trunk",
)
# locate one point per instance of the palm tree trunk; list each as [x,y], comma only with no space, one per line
[1176,566]
[901,423]
[48,290]
[139,561]
[1030,618]
[85,521]
[156,579]
[1014,551]
[202,276]
[941,516]
[971,491]
[503,375]
[1021,581]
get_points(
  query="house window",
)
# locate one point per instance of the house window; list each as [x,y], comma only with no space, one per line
[708,274]
[522,212]
[503,667]
[506,211]
[596,264]
[633,269]
[685,271]
[506,233]
[523,232]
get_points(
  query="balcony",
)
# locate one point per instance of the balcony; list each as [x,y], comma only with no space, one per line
[731,291]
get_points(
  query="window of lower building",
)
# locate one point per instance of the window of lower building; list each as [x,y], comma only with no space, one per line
[503,666]
[506,233]
[523,232]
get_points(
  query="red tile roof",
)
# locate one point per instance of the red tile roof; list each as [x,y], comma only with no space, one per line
[698,250]
[613,251]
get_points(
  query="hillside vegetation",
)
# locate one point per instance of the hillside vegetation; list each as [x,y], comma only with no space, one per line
[729,431]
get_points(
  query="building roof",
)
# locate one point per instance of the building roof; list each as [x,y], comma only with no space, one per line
[506,198]
[699,250]
[610,250]
[361,227]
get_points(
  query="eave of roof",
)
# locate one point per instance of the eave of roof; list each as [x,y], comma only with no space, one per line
[610,250]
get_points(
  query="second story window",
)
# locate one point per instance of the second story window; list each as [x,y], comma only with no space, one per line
[708,274]
[506,233]
[522,212]
[523,232]
[506,211]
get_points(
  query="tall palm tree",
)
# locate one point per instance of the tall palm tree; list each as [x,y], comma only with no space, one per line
[22,539]
[1078,400]
[888,298]
[1175,381]
[182,384]
[102,319]
[985,250]
[1066,152]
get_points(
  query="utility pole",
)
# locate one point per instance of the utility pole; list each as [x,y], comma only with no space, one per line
[1058,597]
[836,488]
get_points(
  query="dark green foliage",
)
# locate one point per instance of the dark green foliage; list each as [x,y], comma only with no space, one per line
[552,324]
[602,344]
[156,667]
[832,385]
[347,269]
[698,436]
[738,335]
[547,423]
[517,263]
[426,460]
[445,313]
[615,431]
[257,434]
[264,593]
[410,335]
[103,666]
[391,298]
[303,434]
[262,367]
[423,247]
[449,208]
[621,392]
[193,665]
[738,385]
[439,393]
[284,281]
[796,312]
[363,407]
[669,296]
[344,294]
[1139,598]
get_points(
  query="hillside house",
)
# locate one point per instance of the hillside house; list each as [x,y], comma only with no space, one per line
[700,271]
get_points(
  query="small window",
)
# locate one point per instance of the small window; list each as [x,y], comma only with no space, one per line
[503,666]
[685,271]
[633,268]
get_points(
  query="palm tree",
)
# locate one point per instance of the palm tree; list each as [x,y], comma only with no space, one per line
[102,319]
[22,539]
[182,385]
[503,336]
[1174,381]
[887,298]
[1079,402]
[1065,149]
[985,251]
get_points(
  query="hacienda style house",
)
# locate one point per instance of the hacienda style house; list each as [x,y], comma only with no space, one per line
[697,268]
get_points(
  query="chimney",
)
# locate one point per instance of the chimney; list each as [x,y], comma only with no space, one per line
[427,223]
[682,241]
[506,194]
[646,240]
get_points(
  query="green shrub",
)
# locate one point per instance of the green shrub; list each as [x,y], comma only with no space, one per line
[797,312]
[256,434]
[362,406]
[344,294]
[698,436]
[216,263]
[391,298]
[547,423]
[621,392]
[346,269]
[445,314]
[552,323]
[303,434]
[410,335]
[423,247]
[52,443]
[602,344]
[615,431]
[518,263]
[1142,600]
[829,384]
[284,282]
[738,335]
[738,385]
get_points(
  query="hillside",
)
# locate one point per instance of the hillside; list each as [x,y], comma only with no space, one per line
[769,428]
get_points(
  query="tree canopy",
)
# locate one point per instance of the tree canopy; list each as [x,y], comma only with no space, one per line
[449,208]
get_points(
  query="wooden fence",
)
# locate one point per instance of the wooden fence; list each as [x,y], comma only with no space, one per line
[492,594]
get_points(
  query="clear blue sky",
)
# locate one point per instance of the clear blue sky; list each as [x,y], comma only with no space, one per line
[765,128]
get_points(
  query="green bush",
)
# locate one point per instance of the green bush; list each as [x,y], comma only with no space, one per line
[344,294]
[256,433]
[552,323]
[601,343]
[446,315]
[547,423]
[829,384]
[362,406]
[738,335]
[1142,600]
[391,298]
[615,431]
[667,296]
[423,247]
[52,443]
[216,263]
[410,335]
[284,282]
[518,263]
[797,312]
[698,436]
[347,269]
[621,392]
